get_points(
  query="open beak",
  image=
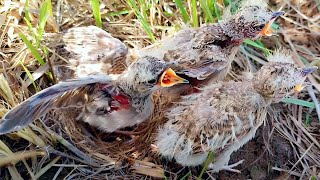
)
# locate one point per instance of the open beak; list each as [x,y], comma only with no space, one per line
[305,72]
[266,31]
[169,78]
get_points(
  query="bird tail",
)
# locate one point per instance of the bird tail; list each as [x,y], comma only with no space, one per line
[59,95]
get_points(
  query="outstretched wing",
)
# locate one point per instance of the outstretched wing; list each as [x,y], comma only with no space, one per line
[89,51]
[64,94]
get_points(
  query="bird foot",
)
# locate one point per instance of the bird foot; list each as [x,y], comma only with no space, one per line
[226,167]
[231,166]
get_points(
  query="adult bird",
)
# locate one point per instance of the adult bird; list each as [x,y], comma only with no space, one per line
[108,102]
[226,115]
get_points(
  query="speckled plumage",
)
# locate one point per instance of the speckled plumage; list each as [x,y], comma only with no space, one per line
[225,115]
[206,53]
[107,102]
[88,51]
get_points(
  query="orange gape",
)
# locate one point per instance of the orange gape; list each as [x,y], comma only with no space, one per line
[266,31]
[169,78]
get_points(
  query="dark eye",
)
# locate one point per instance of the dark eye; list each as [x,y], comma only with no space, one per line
[152,81]
[261,26]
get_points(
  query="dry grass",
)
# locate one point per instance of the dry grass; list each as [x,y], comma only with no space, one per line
[60,147]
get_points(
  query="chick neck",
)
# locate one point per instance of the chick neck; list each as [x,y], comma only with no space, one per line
[236,32]
[131,89]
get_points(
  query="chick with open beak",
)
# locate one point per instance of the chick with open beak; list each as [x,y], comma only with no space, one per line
[266,31]
[204,55]
[106,102]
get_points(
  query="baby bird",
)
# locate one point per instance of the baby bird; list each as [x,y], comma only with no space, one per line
[88,51]
[109,102]
[206,53]
[226,115]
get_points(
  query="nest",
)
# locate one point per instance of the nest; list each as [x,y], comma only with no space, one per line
[288,146]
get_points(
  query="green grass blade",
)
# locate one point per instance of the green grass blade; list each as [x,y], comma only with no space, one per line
[186,176]
[258,44]
[183,11]
[205,7]
[298,102]
[209,160]
[308,119]
[216,10]
[42,22]
[95,5]
[26,10]
[143,21]
[49,7]
[194,13]
[33,50]
[30,77]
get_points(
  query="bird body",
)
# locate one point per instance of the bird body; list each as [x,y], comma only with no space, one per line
[224,116]
[204,55]
[108,102]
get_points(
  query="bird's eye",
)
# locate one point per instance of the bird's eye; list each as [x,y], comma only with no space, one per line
[152,81]
[261,26]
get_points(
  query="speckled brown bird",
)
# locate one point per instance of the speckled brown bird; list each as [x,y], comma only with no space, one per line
[226,115]
[108,102]
[204,54]
[86,51]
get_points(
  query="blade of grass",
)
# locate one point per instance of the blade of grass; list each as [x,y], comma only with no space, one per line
[26,10]
[47,167]
[186,176]
[257,45]
[29,76]
[49,7]
[205,7]
[194,13]
[143,21]
[210,159]
[33,50]
[42,22]
[298,102]
[95,5]
[216,10]
[17,156]
[183,11]
[5,91]
[14,173]
[308,119]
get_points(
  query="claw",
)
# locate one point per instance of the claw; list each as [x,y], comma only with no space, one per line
[231,166]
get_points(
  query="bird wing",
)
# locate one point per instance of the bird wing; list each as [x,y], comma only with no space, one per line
[89,50]
[202,55]
[65,94]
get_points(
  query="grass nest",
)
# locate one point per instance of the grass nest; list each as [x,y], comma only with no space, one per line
[59,146]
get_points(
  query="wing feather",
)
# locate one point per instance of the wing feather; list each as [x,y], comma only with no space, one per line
[64,94]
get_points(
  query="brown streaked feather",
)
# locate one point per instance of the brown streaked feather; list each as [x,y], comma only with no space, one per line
[88,51]
[64,94]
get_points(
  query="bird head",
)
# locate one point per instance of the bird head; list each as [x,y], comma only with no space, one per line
[280,77]
[148,74]
[252,21]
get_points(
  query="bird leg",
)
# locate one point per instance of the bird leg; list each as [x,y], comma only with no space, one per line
[230,167]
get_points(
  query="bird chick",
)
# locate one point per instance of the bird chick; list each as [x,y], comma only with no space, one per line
[226,115]
[204,54]
[108,102]
[87,51]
